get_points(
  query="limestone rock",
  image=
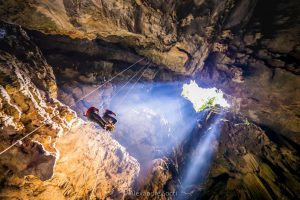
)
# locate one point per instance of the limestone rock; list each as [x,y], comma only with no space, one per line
[150,27]
[246,164]
[28,101]
[91,165]
[262,70]
[231,45]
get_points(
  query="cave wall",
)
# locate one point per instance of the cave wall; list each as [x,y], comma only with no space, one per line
[175,34]
[258,67]
[28,100]
[246,164]
[248,48]
[91,165]
[64,157]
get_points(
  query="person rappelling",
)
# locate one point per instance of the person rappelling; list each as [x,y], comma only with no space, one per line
[109,115]
[107,121]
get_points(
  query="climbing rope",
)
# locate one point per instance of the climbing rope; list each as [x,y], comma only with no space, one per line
[99,163]
[18,141]
[44,122]
[130,80]
[131,88]
[125,96]
[88,94]
[86,170]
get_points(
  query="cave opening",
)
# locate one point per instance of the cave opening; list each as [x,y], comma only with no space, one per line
[175,138]
[155,113]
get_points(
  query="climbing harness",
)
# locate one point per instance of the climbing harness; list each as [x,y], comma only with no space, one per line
[124,97]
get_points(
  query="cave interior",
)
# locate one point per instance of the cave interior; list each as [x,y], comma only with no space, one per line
[206,96]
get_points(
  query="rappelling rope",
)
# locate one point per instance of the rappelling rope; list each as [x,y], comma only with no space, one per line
[86,170]
[97,169]
[88,94]
[130,80]
[18,141]
[44,122]
[158,70]
[143,71]
[131,88]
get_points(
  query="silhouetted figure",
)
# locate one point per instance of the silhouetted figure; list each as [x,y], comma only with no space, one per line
[107,121]
[108,116]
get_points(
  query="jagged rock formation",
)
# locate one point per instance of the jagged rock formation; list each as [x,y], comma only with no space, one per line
[91,165]
[28,100]
[246,165]
[231,44]
[175,34]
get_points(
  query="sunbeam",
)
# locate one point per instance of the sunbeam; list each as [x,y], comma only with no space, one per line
[155,115]
[154,118]
[199,164]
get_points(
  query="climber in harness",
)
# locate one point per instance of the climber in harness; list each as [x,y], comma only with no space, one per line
[107,121]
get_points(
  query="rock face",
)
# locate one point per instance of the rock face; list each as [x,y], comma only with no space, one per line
[28,101]
[251,165]
[106,168]
[234,45]
[259,68]
[91,166]
[174,34]
[246,164]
